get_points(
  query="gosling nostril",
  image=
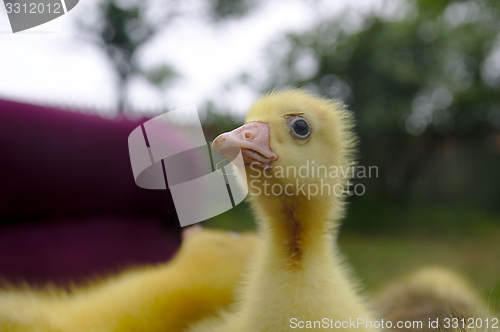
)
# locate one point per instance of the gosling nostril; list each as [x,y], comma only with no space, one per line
[247,134]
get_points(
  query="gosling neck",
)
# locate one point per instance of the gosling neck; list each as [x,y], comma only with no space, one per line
[297,228]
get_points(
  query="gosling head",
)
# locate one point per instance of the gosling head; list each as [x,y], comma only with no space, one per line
[291,137]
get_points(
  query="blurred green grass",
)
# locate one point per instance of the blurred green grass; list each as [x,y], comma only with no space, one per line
[384,242]
[379,259]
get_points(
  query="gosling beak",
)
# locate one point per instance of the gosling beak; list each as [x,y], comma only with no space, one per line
[253,140]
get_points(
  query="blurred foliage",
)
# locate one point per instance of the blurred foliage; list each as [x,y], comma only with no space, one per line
[215,122]
[223,9]
[424,72]
[423,80]
[160,75]
[122,27]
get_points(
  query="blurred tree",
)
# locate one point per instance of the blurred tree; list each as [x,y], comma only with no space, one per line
[122,27]
[223,9]
[216,122]
[423,78]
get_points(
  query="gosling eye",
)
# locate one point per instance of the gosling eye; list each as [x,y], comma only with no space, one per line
[299,127]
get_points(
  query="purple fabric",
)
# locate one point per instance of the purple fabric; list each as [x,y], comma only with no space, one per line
[61,163]
[77,249]
[69,205]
